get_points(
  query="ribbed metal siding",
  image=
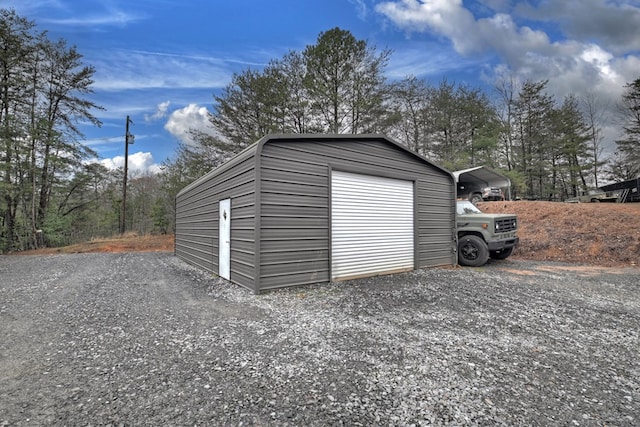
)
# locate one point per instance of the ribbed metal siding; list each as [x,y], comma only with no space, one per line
[372,227]
[294,234]
[197,224]
[435,223]
[294,237]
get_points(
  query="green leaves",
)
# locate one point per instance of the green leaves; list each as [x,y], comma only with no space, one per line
[345,82]
[43,85]
[334,86]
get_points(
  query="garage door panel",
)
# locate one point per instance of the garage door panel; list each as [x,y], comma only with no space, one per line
[377,257]
[372,225]
[358,228]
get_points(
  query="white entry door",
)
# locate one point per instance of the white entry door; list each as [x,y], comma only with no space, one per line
[224,253]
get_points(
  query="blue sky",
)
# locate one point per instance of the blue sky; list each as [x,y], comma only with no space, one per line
[161,61]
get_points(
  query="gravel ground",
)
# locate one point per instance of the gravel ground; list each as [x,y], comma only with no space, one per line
[144,339]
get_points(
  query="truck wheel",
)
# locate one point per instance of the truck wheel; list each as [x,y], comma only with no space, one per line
[472,251]
[502,254]
[475,198]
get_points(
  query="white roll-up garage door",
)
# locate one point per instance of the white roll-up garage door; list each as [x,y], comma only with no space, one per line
[372,227]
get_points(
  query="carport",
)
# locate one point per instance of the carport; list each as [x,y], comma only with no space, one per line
[629,190]
[482,176]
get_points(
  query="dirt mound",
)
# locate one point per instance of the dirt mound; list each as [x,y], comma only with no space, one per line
[605,234]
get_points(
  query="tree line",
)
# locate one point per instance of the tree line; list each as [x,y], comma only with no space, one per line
[550,148]
[53,192]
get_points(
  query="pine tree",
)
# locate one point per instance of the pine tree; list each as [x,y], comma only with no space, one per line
[629,145]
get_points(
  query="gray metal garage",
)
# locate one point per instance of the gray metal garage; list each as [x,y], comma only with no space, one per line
[300,209]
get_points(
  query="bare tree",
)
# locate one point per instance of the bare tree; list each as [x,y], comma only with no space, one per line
[507,88]
[410,102]
[629,146]
[595,116]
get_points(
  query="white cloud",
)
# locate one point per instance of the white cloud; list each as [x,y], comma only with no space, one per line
[594,48]
[361,8]
[525,50]
[449,18]
[192,116]
[161,112]
[107,15]
[442,17]
[139,163]
[97,142]
[424,59]
[30,6]
[600,60]
[114,17]
[125,69]
[615,25]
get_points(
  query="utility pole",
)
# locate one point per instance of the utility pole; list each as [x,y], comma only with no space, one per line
[128,139]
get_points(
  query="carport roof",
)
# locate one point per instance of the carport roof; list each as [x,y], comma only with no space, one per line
[631,183]
[482,174]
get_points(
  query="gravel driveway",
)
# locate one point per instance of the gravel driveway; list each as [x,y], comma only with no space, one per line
[145,339]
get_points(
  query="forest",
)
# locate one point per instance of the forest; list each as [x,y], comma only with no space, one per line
[54,191]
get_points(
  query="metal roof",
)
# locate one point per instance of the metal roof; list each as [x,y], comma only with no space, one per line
[630,183]
[482,174]
[256,147]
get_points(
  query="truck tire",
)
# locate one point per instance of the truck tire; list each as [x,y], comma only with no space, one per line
[475,198]
[472,251]
[502,254]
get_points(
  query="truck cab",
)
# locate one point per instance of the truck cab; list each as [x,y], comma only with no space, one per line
[482,236]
